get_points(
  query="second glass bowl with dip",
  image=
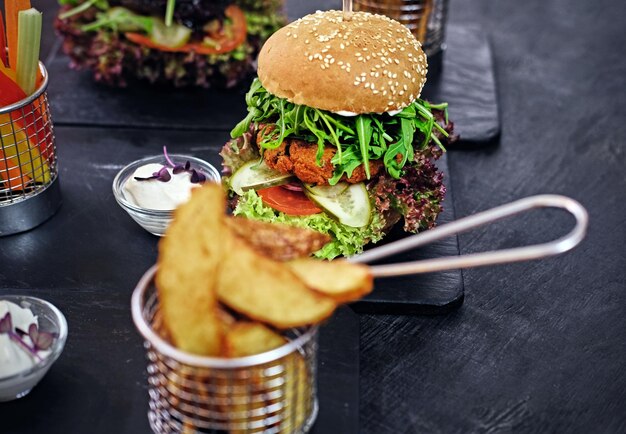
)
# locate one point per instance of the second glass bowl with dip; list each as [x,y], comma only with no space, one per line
[19,382]
[147,214]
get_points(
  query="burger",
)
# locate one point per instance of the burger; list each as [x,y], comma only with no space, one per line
[337,138]
[180,42]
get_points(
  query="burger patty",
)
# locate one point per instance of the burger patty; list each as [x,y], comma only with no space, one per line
[299,158]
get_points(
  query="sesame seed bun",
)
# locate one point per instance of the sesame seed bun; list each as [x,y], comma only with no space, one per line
[368,64]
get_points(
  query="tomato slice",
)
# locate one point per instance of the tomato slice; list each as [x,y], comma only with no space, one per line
[224,43]
[288,201]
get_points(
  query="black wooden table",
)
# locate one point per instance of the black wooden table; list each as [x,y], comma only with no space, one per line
[535,347]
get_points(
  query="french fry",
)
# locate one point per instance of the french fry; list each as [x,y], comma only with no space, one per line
[340,280]
[278,241]
[189,257]
[266,291]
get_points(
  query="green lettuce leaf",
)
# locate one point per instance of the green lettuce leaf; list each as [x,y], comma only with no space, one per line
[346,241]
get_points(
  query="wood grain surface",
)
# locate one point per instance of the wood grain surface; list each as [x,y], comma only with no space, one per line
[540,346]
[536,347]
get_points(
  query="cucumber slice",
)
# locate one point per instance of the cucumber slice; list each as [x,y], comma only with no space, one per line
[255,175]
[330,191]
[352,207]
[172,36]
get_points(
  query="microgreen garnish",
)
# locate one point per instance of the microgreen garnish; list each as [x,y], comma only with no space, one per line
[163,175]
[41,341]
[358,139]
[197,177]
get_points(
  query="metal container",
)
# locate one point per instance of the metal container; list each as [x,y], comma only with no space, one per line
[29,188]
[272,392]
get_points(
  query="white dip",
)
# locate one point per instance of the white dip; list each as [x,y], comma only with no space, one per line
[13,358]
[351,114]
[155,194]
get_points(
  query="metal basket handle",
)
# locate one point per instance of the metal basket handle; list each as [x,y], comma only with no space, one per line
[556,247]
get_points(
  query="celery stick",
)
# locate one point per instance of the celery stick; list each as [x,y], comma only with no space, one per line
[28,45]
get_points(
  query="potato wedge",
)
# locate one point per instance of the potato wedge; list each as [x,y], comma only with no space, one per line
[277,241]
[189,257]
[266,291]
[341,280]
[249,338]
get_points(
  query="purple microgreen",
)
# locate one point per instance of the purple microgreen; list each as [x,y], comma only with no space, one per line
[41,340]
[163,175]
[167,157]
[6,325]
[139,178]
[197,177]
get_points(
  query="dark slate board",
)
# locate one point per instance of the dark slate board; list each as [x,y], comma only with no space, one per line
[433,293]
[464,76]
[89,158]
[466,82]
[99,383]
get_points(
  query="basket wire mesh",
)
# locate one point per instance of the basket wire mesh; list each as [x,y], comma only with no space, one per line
[271,393]
[28,162]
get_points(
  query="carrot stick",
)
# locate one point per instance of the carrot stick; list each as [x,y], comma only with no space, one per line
[3,43]
[12,8]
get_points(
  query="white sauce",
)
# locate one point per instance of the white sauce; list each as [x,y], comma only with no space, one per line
[13,358]
[155,194]
[352,114]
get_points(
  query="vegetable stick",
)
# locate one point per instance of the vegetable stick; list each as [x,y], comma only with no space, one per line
[10,173]
[3,44]
[33,121]
[28,45]
[10,92]
[12,9]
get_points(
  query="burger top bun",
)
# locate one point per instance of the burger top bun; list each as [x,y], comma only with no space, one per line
[368,64]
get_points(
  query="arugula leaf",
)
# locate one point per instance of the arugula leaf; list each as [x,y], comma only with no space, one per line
[365,132]
[358,139]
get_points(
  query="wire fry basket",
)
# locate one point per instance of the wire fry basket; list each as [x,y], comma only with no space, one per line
[273,392]
[29,190]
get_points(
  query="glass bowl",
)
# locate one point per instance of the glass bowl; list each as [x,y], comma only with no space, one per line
[155,221]
[50,320]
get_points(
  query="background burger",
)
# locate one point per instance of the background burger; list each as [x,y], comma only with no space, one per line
[336,138]
[182,42]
